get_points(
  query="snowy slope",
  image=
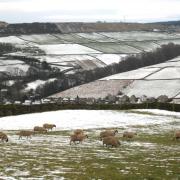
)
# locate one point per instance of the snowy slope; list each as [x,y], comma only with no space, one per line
[86,119]
[35,84]
[152,81]
[153,88]
[67,49]
[135,74]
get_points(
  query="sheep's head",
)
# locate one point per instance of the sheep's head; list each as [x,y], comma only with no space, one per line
[6,139]
[54,125]
[86,136]
[116,131]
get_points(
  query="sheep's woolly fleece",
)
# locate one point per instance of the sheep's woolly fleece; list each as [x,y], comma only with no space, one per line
[86,119]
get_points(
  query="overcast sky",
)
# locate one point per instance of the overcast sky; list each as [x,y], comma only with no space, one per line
[15,11]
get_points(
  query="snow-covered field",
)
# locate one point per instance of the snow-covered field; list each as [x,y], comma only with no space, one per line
[12,40]
[150,73]
[5,62]
[167,64]
[110,58]
[65,58]
[140,36]
[162,79]
[15,69]
[97,37]
[42,39]
[152,153]
[86,119]
[69,52]
[113,48]
[153,88]
[96,89]
[67,49]
[175,41]
[33,85]
[73,38]
[107,47]
[84,61]
[135,74]
[145,46]
[167,73]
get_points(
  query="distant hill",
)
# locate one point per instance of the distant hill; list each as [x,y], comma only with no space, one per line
[79,27]
[105,27]
[175,23]
[29,28]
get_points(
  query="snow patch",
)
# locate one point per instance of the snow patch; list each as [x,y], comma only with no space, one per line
[135,74]
[85,119]
[67,49]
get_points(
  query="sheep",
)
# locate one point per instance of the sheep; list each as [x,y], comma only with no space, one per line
[77,137]
[78,131]
[40,129]
[25,134]
[129,135]
[177,135]
[107,133]
[3,137]
[111,141]
[49,126]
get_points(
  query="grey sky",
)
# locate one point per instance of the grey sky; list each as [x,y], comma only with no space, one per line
[15,11]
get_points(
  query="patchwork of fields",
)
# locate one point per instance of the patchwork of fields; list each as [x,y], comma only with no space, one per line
[152,81]
[86,51]
[66,51]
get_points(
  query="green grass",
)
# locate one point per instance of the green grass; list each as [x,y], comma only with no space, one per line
[147,156]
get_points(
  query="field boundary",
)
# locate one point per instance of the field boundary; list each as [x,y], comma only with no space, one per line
[12,109]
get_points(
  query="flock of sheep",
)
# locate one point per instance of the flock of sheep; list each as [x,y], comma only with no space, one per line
[108,137]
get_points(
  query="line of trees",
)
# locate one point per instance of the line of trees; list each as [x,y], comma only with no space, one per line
[12,109]
[7,48]
[160,55]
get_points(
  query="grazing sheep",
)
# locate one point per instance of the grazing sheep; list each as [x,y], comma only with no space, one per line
[49,126]
[40,129]
[26,134]
[78,131]
[177,135]
[111,141]
[3,137]
[107,133]
[77,137]
[129,135]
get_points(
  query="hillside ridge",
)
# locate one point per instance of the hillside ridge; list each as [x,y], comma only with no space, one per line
[81,27]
